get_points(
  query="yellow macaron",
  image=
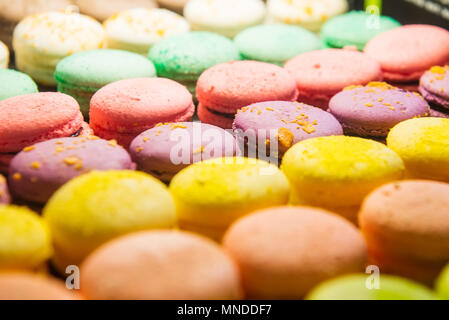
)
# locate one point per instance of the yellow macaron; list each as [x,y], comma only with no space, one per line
[99,206]
[337,172]
[25,242]
[211,195]
[423,145]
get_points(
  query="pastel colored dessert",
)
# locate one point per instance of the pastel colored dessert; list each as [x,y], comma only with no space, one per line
[224,89]
[406,228]
[280,125]
[354,287]
[26,240]
[168,148]
[373,110]
[226,17]
[36,117]
[42,40]
[84,73]
[14,83]
[137,30]
[305,13]
[355,28]
[422,145]
[39,170]
[338,172]
[275,43]
[124,109]
[99,206]
[405,53]
[4,193]
[4,56]
[178,265]
[29,286]
[321,74]
[285,267]
[174,5]
[12,12]
[185,57]
[434,86]
[442,284]
[234,187]
[104,9]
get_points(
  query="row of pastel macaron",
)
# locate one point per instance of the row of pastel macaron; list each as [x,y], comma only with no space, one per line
[119,224]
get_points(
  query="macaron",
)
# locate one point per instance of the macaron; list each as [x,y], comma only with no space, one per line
[99,206]
[29,286]
[373,110]
[422,145]
[355,28]
[406,228]
[354,287]
[273,250]
[174,5]
[224,89]
[338,172]
[124,109]
[234,187]
[14,83]
[160,265]
[138,29]
[104,9]
[4,56]
[321,74]
[42,40]
[226,17]
[442,284]
[36,117]
[25,238]
[4,194]
[279,125]
[275,43]
[305,13]
[170,147]
[84,73]
[39,170]
[407,52]
[434,86]
[185,57]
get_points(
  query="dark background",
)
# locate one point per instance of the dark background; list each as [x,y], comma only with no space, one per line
[414,11]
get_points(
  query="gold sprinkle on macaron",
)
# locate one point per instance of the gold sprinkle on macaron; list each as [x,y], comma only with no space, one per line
[17,176]
[70,161]
[113,143]
[28,149]
[36,165]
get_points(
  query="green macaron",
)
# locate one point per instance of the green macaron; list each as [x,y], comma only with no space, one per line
[442,284]
[364,287]
[275,43]
[184,57]
[82,74]
[355,28]
[14,83]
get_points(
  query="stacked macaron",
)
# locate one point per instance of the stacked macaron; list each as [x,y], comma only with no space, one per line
[434,86]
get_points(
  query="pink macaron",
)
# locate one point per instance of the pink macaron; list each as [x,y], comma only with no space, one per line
[405,53]
[124,109]
[321,74]
[36,117]
[226,88]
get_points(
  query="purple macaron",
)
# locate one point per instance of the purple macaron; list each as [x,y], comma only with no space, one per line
[373,110]
[168,148]
[4,194]
[434,86]
[281,124]
[38,171]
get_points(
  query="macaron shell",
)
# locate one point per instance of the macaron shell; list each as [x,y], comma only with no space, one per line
[405,53]
[434,86]
[178,265]
[103,9]
[4,56]
[442,284]
[14,83]
[214,118]
[4,194]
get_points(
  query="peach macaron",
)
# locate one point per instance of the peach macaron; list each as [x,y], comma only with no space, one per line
[124,109]
[284,252]
[160,265]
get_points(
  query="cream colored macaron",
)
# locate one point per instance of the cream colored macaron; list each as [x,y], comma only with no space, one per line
[226,17]
[4,56]
[42,40]
[175,5]
[138,29]
[310,14]
[103,9]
